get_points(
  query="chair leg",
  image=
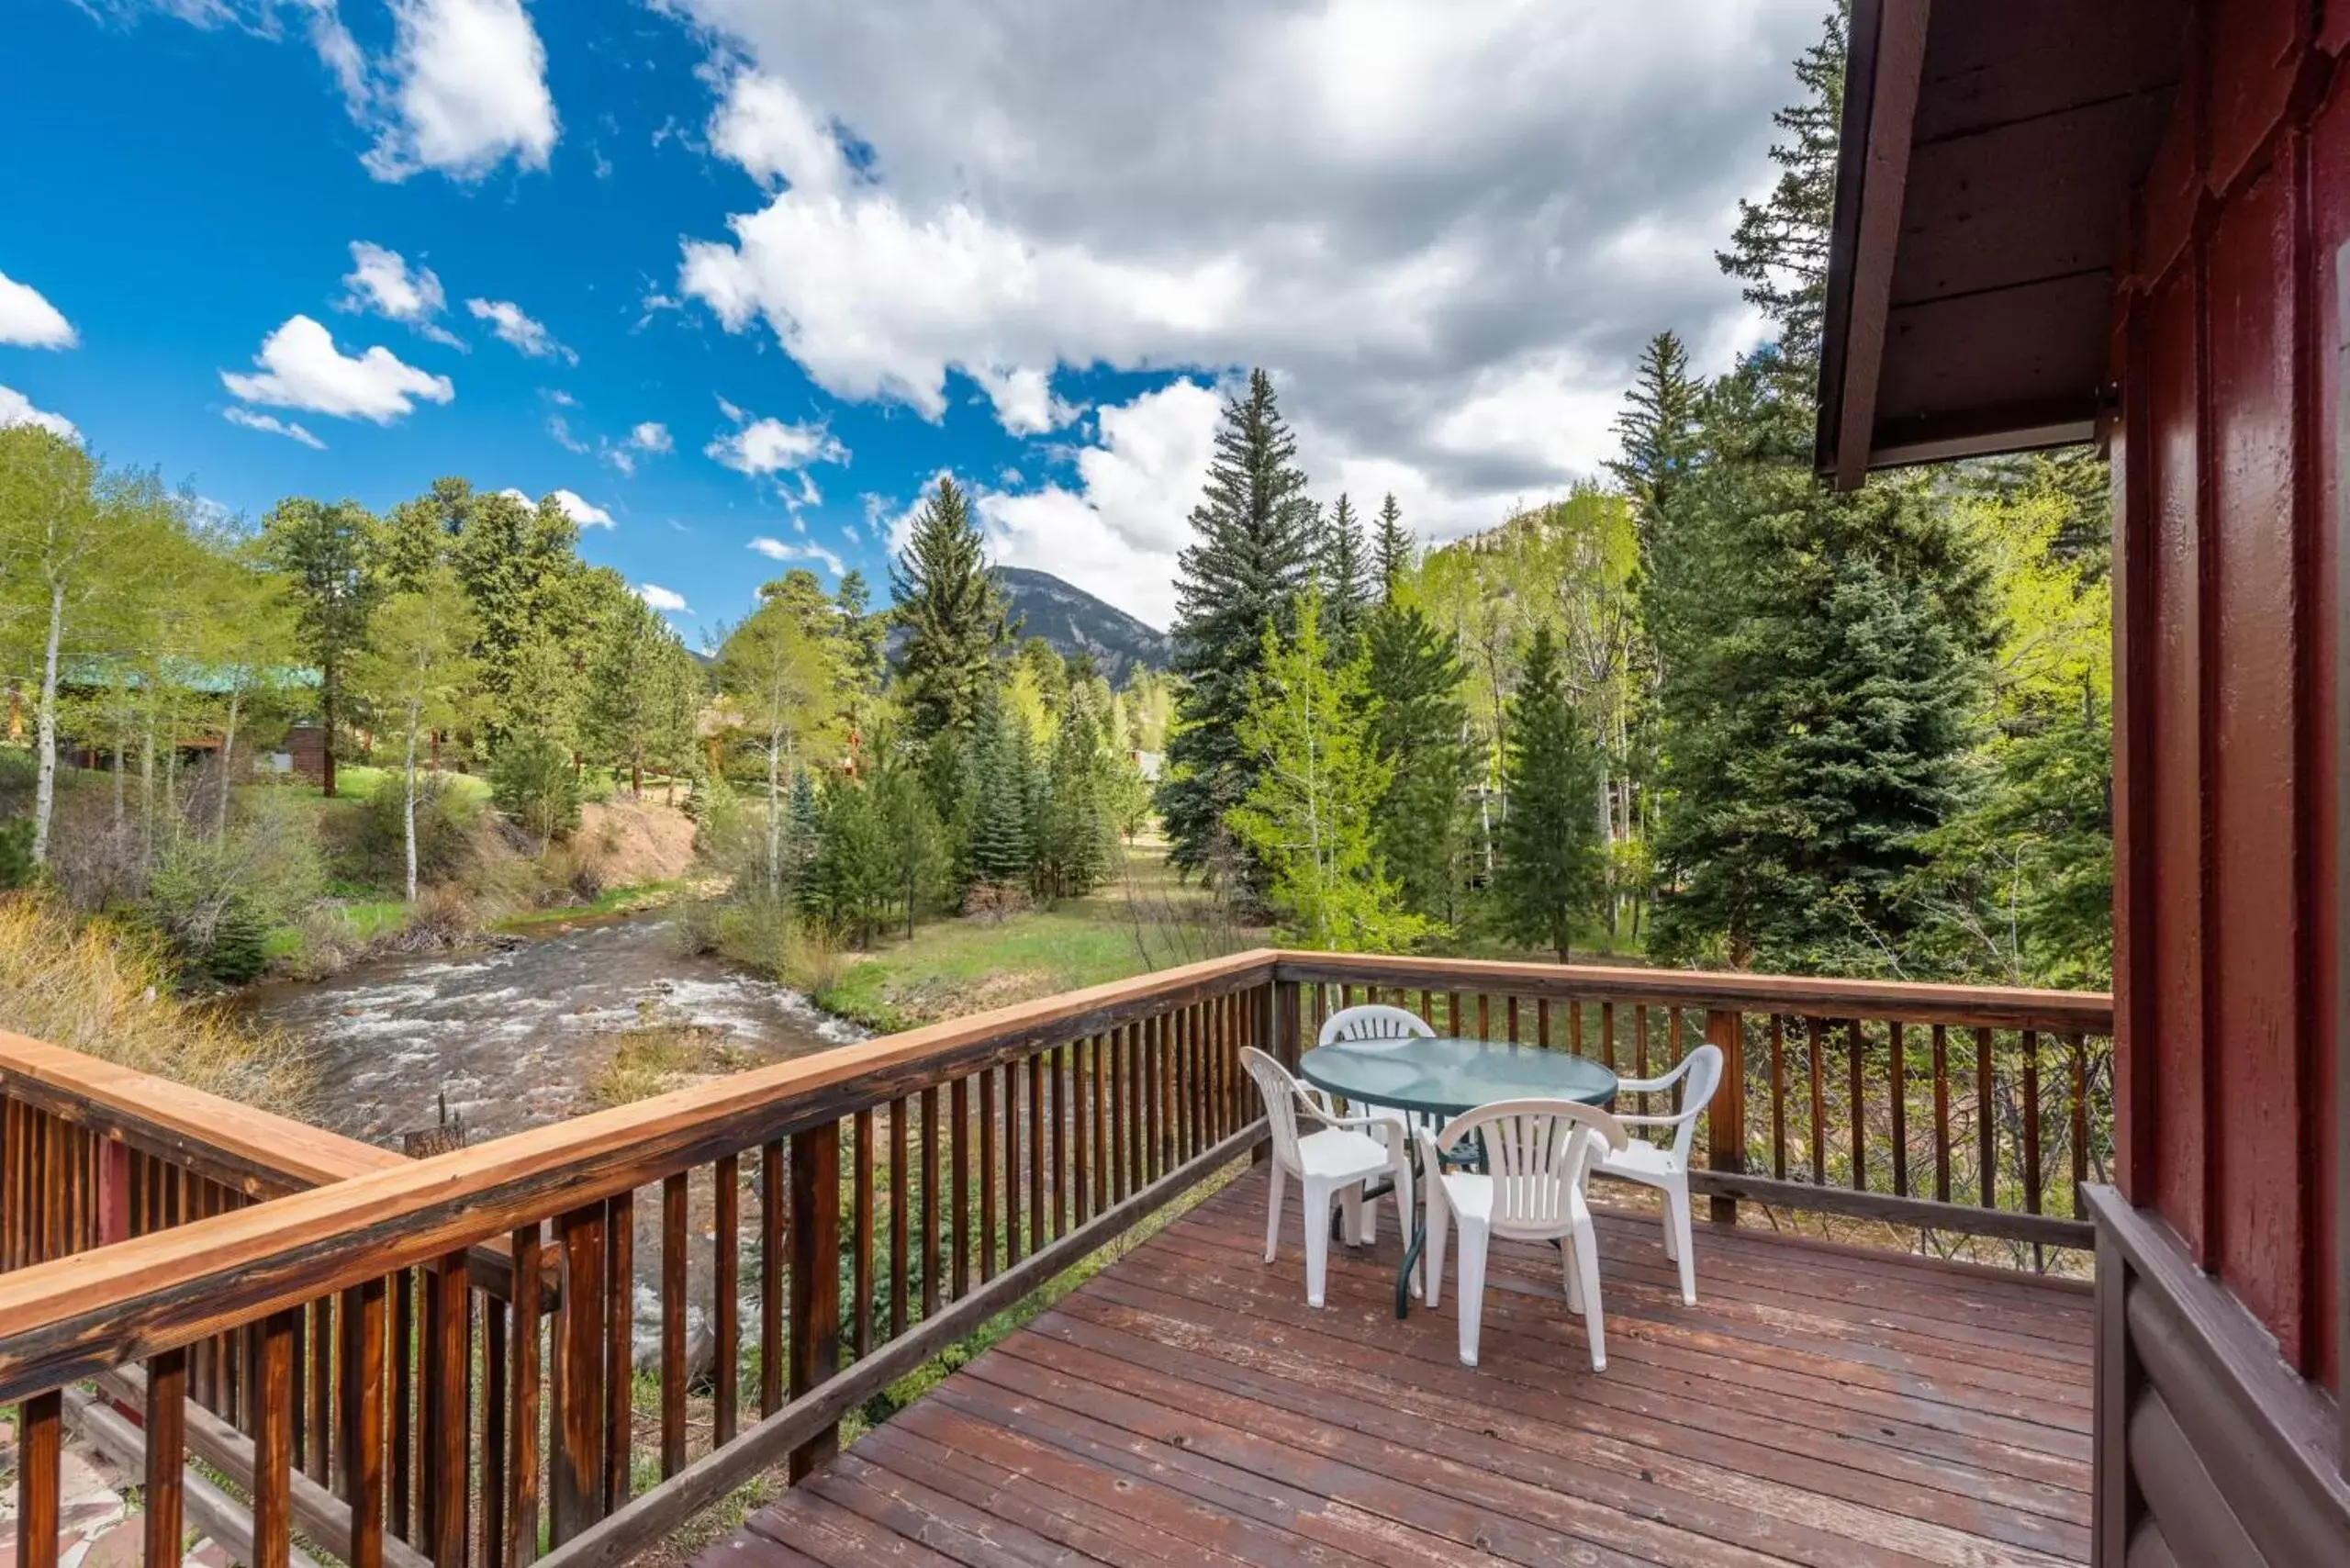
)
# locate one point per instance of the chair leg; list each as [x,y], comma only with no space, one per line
[1317,1238]
[1432,1255]
[1678,1241]
[1353,1208]
[1273,1213]
[1403,1179]
[1586,1250]
[1473,1236]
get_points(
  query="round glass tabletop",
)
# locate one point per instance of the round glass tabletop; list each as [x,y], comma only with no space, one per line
[1445,1076]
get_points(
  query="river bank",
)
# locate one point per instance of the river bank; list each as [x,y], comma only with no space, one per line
[514,1029]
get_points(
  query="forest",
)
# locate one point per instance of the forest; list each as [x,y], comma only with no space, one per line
[1700,708]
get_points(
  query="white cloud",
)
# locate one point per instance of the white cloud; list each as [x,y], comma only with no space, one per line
[465,89]
[381,281]
[1116,533]
[586,513]
[514,327]
[806,550]
[651,436]
[581,511]
[769,446]
[15,409]
[28,321]
[559,429]
[1403,210]
[667,600]
[301,368]
[273,425]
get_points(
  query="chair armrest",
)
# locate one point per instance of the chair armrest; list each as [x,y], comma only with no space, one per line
[1655,1121]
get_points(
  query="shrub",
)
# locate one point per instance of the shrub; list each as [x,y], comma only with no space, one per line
[447,822]
[104,989]
[530,780]
[215,900]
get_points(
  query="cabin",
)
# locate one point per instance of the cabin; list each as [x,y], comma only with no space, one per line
[2129,220]
[1984,1275]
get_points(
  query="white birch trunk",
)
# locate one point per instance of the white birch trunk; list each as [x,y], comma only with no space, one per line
[407,806]
[45,727]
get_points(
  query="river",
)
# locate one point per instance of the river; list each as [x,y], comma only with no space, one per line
[511,1032]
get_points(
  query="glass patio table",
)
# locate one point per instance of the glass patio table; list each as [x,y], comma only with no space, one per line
[1431,1080]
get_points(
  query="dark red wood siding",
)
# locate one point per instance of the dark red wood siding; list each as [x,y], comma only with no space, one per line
[2229,958]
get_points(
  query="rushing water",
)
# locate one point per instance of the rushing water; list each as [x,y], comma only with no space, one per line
[512,1033]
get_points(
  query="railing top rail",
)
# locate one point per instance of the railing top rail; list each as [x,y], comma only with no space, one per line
[70,1319]
[2081,1012]
[245,1147]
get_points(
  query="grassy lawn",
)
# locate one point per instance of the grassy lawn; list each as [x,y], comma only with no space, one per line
[357,782]
[1145,919]
[629,900]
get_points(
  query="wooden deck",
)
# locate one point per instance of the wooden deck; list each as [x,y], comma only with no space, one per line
[1818,1405]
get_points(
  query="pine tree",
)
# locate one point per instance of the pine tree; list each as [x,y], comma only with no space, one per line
[1000,789]
[327,551]
[1657,432]
[1419,728]
[914,842]
[1073,827]
[1553,859]
[1307,817]
[1238,581]
[952,612]
[1393,550]
[1343,573]
[1780,249]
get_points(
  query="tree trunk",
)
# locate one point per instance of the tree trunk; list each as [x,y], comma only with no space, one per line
[407,806]
[775,818]
[146,783]
[227,762]
[326,730]
[45,792]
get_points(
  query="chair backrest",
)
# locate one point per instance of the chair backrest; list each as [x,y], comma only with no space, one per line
[1373,1022]
[1536,1152]
[1281,1094]
[1701,1075]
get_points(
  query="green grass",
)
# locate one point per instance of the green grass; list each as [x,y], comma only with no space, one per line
[964,965]
[357,782]
[368,918]
[629,900]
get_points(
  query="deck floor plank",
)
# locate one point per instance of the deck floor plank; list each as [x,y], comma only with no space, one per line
[1819,1405]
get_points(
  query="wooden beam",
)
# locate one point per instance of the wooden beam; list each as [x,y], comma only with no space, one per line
[2341,761]
[1896,61]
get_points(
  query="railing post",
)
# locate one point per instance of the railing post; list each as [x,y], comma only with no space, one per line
[815,1277]
[114,1191]
[1726,1118]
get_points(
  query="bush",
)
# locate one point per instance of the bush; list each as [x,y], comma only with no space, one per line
[104,989]
[215,900]
[447,821]
[531,780]
[17,867]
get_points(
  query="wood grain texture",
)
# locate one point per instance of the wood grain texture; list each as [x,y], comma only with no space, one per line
[1819,1407]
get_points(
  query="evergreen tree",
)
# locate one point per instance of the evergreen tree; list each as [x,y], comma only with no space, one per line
[1239,579]
[520,567]
[1780,250]
[1393,551]
[1307,817]
[1073,825]
[325,551]
[850,880]
[781,670]
[632,676]
[1344,573]
[1419,728]
[1820,656]
[915,847]
[1657,432]
[952,612]
[999,787]
[1553,861]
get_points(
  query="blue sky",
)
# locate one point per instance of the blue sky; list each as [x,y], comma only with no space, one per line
[740,270]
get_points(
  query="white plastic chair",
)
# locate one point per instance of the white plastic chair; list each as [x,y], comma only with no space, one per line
[1373,1023]
[1332,1162]
[1531,1190]
[1665,1167]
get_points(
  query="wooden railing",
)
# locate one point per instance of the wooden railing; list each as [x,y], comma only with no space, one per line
[1972,1109]
[893,1195]
[397,1400]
